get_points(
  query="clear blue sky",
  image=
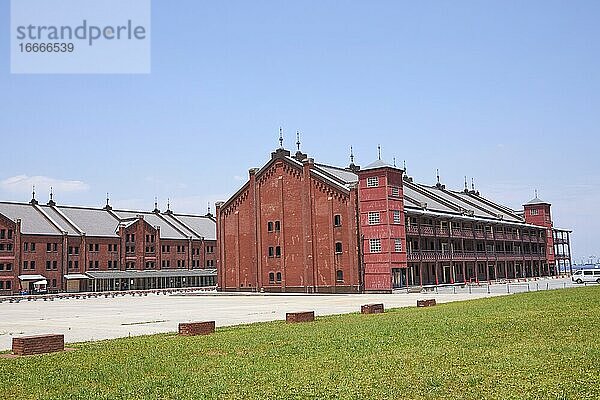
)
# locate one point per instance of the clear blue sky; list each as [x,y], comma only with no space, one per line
[507,92]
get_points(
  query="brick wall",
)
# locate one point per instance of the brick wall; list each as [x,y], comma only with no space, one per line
[40,344]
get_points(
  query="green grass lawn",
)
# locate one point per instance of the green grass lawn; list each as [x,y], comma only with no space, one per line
[533,346]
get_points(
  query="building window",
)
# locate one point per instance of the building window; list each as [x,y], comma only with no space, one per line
[271,277]
[395,191]
[396,214]
[337,220]
[278,251]
[375,245]
[534,211]
[271,251]
[210,249]
[25,246]
[2,233]
[270,226]
[278,277]
[49,266]
[339,275]
[25,266]
[373,217]
[397,245]
[48,247]
[373,181]
[10,232]
[277,226]
[210,263]
[338,247]
[32,247]
[31,264]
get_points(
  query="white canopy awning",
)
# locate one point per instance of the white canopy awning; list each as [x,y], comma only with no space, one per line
[40,283]
[76,276]
[32,277]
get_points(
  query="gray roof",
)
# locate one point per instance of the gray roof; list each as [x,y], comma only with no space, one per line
[536,200]
[32,220]
[167,230]
[96,222]
[498,209]
[60,220]
[202,226]
[339,173]
[418,198]
[93,222]
[378,164]
[151,274]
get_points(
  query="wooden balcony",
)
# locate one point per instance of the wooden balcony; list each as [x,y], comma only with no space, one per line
[412,230]
[427,230]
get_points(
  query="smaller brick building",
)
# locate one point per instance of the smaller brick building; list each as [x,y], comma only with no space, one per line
[54,248]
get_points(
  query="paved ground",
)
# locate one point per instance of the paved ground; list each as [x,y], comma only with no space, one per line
[105,318]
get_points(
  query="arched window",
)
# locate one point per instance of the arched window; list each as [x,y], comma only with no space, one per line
[270,226]
[279,277]
[271,277]
[339,275]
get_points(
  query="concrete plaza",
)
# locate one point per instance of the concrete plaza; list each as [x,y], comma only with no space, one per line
[106,318]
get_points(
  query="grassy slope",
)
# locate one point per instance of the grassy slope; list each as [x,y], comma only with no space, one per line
[534,345]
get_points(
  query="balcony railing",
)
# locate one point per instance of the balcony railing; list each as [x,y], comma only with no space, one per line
[433,255]
[414,230]
[427,230]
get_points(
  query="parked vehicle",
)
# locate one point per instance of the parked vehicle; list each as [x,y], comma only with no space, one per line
[586,275]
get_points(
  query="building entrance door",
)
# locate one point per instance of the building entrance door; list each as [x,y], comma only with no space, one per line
[399,277]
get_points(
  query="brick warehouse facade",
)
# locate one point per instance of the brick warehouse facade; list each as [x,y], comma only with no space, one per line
[300,226]
[58,248]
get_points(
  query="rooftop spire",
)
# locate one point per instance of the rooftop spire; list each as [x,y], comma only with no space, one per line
[404,165]
[379,152]
[466,188]
[156,210]
[280,138]
[298,140]
[351,155]
[107,207]
[437,174]
[33,200]
[394,161]
[51,201]
[536,196]
[473,184]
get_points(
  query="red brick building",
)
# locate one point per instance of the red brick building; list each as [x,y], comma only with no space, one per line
[57,248]
[301,226]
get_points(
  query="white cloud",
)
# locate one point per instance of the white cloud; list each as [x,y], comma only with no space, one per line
[238,178]
[24,184]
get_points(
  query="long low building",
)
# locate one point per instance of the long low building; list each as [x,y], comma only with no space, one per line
[53,248]
[301,226]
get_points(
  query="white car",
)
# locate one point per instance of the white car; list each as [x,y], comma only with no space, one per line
[586,275]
